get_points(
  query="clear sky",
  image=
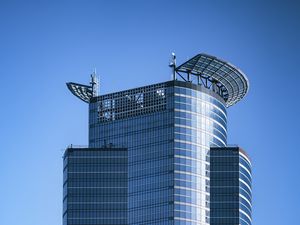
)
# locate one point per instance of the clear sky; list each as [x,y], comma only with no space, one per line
[44,44]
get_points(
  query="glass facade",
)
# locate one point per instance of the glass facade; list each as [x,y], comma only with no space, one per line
[230,186]
[95,186]
[142,120]
[168,129]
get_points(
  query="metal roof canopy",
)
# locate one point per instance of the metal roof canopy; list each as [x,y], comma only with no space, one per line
[220,76]
[83,92]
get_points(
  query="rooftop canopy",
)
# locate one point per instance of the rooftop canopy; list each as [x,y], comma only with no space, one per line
[83,92]
[225,79]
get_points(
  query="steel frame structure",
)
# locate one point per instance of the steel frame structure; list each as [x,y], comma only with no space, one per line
[85,92]
[81,91]
[215,74]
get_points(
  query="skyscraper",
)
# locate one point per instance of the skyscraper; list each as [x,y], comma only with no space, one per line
[167,129]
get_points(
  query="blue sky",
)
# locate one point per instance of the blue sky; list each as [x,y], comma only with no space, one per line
[44,44]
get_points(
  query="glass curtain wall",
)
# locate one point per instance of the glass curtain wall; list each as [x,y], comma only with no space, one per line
[200,122]
[95,186]
[230,186]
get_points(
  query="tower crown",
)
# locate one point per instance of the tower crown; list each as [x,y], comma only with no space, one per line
[221,77]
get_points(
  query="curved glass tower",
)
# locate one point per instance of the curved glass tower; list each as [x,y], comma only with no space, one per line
[200,122]
[168,129]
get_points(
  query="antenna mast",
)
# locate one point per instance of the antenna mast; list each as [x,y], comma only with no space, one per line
[173,65]
[94,83]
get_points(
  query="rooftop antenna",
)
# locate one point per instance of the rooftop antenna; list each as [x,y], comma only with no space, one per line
[94,83]
[173,65]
